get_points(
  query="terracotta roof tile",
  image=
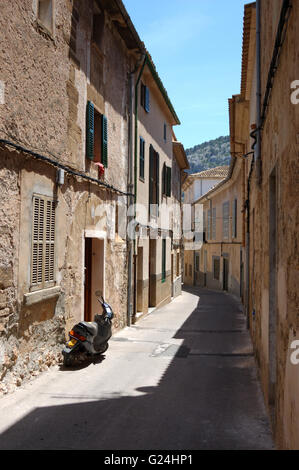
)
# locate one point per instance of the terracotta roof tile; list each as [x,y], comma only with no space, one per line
[217,172]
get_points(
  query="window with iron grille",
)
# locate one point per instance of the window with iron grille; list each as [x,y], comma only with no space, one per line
[43,243]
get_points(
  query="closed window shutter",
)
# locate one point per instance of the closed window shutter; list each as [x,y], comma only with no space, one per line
[147,100]
[168,182]
[151,173]
[105,141]
[37,241]
[43,242]
[90,131]
[157,179]
[141,158]
[164,179]
[49,242]
[142,95]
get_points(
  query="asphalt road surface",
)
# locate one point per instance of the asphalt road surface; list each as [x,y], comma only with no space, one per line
[183,377]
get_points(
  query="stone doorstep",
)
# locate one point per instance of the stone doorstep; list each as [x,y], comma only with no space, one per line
[41,295]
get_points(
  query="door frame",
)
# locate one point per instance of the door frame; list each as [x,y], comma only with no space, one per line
[93,234]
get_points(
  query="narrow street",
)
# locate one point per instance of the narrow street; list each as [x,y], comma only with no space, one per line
[183,377]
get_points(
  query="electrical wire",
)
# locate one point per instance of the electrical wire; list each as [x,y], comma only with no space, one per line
[67,169]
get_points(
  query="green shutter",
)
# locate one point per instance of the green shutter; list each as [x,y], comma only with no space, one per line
[105,141]
[90,131]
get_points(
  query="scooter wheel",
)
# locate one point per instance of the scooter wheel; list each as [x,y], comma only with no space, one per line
[67,360]
[104,349]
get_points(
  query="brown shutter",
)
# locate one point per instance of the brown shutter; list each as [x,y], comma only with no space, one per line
[43,240]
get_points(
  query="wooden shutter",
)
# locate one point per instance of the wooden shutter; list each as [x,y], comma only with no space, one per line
[37,241]
[157,180]
[147,100]
[151,174]
[142,95]
[168,181]
[141,157]
[49,241]
[105,141]
[43,243]
[164,176]
[90,131]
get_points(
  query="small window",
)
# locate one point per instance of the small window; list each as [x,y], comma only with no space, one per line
[96,135]
[166,181]
[145,97]
[43,243]
[141,157]
[45,14]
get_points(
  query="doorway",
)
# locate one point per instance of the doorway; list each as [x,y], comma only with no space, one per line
[152,273]
[93,275]
[140,279]
[225,274]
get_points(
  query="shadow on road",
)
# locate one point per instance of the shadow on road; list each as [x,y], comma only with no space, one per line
[208,398]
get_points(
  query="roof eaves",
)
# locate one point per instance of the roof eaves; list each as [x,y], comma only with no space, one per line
[222,183]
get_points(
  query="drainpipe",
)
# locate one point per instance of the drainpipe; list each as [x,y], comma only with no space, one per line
[258,93]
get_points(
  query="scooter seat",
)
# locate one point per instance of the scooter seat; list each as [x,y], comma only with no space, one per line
[91,327]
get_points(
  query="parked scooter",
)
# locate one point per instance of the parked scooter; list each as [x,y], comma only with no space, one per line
[89,338]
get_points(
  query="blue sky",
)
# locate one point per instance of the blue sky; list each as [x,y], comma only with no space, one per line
[196,46]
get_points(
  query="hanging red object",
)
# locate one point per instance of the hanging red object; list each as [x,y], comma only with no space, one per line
[101,168]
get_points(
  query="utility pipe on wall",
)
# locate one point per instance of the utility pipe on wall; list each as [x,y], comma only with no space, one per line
[258,93]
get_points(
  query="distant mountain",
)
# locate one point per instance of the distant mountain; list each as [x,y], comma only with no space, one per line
[209,154]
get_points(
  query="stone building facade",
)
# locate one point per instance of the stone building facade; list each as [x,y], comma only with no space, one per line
[66,118]
[219,264]
[195,186]
[265,135]
[273,295]
[160,159]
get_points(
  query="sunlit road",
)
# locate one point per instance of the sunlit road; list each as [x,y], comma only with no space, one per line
[182,378]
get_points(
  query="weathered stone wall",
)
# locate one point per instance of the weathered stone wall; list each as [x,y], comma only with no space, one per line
[274,291]
[45,107]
